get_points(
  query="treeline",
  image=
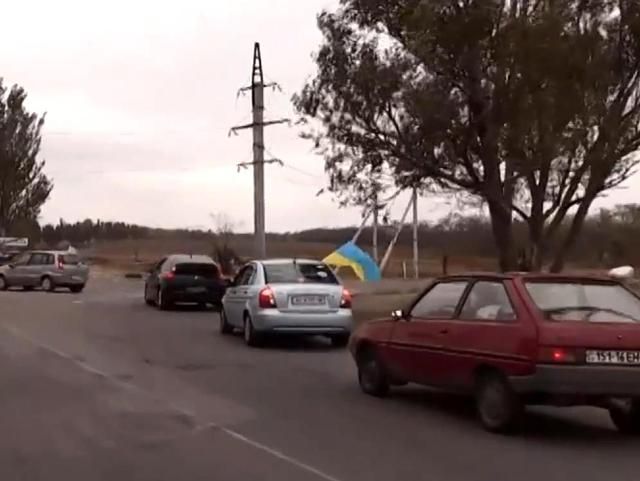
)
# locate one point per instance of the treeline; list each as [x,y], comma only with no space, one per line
[610,236]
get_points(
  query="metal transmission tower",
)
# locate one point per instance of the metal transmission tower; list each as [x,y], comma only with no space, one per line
[257,101]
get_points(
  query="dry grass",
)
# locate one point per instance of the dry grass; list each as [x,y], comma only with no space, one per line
[138,255]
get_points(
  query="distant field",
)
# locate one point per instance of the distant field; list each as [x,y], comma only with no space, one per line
[137,255]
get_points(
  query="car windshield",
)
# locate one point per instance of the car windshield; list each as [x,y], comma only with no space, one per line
[197,269]
[299,272]
[583,301]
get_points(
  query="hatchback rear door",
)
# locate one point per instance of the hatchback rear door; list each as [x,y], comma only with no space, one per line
[587,321]
[72,268]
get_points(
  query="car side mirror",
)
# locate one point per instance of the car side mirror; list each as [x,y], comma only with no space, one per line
[398,315]
[11,266]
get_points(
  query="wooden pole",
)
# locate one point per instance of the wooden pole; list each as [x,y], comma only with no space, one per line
[392,244]
[416,253]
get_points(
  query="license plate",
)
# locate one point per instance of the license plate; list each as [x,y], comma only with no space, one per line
[76,278]
[307,300]
[613,357]
[196,290]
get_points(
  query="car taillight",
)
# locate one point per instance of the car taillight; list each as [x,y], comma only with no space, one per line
[60,265]
[560,355]
[168,275]
[266,298]
[345,302]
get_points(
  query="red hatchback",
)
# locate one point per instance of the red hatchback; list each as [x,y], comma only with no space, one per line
[513,340]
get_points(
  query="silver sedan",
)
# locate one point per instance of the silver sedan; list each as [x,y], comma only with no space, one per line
[287,296]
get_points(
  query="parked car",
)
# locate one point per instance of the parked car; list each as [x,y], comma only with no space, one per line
[48,270]
[287,296]
[513,340]
[184,278]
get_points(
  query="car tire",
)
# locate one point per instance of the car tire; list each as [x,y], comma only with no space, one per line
[3,284]
[162,301]
[46,284]
[372,375]
[147,300]
[341,340]
[626,417]
[251,337]
[76,289]
[498,406]
[225,327]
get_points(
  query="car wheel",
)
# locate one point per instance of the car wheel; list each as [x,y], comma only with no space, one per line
[76,289]
[147,300]
[163,303]
[340,340]
[625,415]
[225,327]
[251,337]
[46,284]
[498,406]
[3,284]
[372,375]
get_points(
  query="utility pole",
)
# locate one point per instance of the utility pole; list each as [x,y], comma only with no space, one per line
[258,125]
[416,260]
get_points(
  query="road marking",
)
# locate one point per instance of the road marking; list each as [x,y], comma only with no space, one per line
[132,387]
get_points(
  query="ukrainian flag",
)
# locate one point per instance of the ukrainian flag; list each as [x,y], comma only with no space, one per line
[350,255]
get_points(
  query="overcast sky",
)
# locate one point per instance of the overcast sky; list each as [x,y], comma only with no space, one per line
[140,96]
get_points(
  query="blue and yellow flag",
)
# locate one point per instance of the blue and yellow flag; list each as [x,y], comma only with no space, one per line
[350,255]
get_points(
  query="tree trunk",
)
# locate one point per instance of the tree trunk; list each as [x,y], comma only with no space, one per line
[501,223]
[574,231]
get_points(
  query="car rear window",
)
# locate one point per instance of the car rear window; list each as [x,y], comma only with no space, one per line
[299,272]
[580,301]
[194,269]
[69,259]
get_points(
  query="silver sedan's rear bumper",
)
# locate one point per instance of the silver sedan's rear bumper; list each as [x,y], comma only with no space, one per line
[312,323]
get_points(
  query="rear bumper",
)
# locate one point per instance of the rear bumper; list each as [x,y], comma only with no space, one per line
[181,295]
[65,280]
[581,381]
[274,321]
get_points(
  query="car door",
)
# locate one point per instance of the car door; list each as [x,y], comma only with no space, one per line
[232,302]
[17,275]
[153,280]
[417,343]
[35,269]
[487,332]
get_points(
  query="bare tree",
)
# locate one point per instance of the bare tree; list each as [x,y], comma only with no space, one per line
[224,234]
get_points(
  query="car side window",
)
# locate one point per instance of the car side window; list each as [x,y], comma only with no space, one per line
[50,260]
[247,275]
[161,266]
[37,260]
[440,302]
[21,260]
[488,300]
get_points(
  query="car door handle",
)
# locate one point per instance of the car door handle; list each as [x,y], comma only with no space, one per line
[444,331]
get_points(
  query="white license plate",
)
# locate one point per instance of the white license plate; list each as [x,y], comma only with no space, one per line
[307,300]
[76,278]
[613,357]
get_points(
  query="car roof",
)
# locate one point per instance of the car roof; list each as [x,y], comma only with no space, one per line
[533,276]
[67,253]
[283,260]
[190,259]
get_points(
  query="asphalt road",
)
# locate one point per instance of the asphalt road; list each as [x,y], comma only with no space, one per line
[98,386]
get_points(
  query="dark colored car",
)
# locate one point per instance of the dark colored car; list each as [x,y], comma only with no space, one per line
[513,340]
[181,278]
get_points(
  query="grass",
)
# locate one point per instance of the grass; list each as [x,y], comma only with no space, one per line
[138,255]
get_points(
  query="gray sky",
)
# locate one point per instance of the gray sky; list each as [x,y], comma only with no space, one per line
[140,96]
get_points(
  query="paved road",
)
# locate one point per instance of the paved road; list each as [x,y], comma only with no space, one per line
[98,386]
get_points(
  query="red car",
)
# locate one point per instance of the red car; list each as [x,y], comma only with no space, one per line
[512,340]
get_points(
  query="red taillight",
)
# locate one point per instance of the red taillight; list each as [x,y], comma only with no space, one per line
[60,265]
[266,298]
[345,302]
[168,275]
[560,355]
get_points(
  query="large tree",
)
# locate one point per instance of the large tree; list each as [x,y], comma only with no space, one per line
[24,187]
[529,106]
